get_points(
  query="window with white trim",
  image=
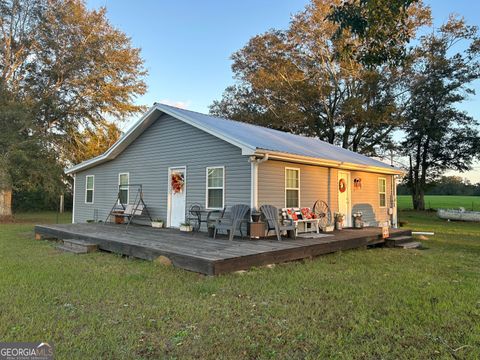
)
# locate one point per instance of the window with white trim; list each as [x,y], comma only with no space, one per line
[123,189]
[382,192]
[215,187]
[292,187]
[89,189]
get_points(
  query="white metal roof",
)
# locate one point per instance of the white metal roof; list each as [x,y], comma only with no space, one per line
[250,138]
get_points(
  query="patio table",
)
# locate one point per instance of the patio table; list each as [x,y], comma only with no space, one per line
[203,215]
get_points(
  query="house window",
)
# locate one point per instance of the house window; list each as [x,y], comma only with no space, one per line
[382,191]
[89,188]
[123,189]
[292,187]
[215,187]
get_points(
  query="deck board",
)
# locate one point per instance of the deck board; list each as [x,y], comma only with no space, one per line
[199,253]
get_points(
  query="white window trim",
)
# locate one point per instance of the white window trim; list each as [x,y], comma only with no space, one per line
[288,188]
[214,188]
[86,189]
[128,189]
[380,192]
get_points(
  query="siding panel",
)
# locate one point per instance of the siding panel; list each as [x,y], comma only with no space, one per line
[314,184]
[168,142]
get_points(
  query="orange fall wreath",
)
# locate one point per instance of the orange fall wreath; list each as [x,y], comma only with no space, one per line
[342,186]
[177,183]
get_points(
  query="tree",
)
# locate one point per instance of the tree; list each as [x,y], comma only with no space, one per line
[440,137]
[382,28]
[93,142]
[70,65]
[26,162]
[294,81]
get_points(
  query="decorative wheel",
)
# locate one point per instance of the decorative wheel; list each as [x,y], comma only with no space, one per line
[323,213]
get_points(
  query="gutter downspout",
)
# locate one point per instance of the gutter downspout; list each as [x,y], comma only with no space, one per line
[254,162]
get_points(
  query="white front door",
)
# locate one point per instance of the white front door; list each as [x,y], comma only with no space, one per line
[344,200]
[177,186]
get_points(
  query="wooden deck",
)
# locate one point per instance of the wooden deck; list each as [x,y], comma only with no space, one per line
[199,253]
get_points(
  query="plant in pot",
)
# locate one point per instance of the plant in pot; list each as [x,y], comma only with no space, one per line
[339,217]
[186,227]
[357,220]
[157,223]
[211,230]
[255,214]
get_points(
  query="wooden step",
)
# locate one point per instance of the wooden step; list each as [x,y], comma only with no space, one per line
[80,245]
[409,245]
[71,250]
[396,240]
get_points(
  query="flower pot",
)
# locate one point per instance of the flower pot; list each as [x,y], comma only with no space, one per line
[211,230]
[157,224]
[339,225]
[256,217]
[186,228]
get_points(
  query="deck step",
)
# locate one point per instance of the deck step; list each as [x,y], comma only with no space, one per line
[71,250]
[409,245]
[397,240]
[81,246]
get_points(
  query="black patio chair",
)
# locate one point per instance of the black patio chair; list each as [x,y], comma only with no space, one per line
[235,218]
[195,216]
[271,216]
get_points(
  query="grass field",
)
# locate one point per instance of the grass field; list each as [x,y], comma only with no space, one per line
[362,304]
[442,201]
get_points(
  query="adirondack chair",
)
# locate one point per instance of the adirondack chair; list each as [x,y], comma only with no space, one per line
[270,213]
[233,221]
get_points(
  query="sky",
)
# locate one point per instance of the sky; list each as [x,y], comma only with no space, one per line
[187,45]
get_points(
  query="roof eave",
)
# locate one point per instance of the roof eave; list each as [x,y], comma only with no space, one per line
[145,121]
[116,148]
[276,155]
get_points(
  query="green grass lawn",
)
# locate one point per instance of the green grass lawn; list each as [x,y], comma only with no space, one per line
[362,304]
[442,201]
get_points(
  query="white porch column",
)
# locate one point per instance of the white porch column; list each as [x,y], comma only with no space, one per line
[73,204]
[254,184]
[395,201]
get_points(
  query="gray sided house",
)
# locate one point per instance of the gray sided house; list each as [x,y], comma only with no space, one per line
[218,162]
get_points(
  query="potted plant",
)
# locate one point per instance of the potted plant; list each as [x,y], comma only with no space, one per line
[357,220]
[255,214]
[211,230]
[186,227]
[157,223]
[339,217]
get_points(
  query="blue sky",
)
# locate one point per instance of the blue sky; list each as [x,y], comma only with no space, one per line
[187,45]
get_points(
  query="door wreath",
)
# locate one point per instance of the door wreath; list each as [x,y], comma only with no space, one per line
[342,186]
[177,182]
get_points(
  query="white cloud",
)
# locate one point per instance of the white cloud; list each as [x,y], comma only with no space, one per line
[179,104]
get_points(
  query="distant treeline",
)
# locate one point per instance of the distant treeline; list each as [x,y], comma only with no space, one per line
[38,200]
[447,185]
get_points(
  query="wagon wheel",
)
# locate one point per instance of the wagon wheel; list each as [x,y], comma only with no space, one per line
[321,209]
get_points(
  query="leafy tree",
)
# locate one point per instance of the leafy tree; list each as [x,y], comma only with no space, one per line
[72,68]
[382,28]
[292,80]
[93,142]
[445,185]
[26,162]
[440,137]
